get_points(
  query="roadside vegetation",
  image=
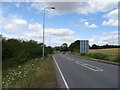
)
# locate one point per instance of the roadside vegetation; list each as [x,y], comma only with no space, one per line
[103,52]
[37,73]
[102,56]
[24,67]
[16,52]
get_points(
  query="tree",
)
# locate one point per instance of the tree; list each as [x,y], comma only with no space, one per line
[57,48]
[16,52]
[64,47]
[94,46]
[75,46]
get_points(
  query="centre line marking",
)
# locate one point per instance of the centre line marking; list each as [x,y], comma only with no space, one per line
[93,68]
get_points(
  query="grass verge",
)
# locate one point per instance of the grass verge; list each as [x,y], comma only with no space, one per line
[37,73]
[107,57]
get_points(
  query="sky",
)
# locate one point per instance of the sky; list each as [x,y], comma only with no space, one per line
[69,21]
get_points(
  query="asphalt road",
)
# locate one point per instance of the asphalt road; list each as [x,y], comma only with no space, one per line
[75,72]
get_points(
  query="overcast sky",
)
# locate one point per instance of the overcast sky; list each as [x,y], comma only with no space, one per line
[93,21]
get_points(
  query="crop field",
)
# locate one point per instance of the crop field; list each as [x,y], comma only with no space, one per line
[113,51]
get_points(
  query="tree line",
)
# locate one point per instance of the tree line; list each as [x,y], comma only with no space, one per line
[95,46]
[75,46]
[16,52]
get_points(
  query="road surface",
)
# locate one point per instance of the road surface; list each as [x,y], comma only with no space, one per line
[75,72]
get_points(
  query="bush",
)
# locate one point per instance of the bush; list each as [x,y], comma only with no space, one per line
[15,52]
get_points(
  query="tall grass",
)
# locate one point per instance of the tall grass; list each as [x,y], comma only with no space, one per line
[108,57]
[37,73]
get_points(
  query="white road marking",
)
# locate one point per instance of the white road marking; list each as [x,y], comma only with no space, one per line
[69,59]
[61,74]
[93,68]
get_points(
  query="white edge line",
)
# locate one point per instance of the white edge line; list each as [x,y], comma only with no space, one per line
[61,74]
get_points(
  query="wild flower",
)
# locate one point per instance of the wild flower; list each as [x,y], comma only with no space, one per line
[19,72]
[12,78]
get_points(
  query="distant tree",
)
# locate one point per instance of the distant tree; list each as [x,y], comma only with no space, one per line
[64,47]
[57,48]
[94,46]
[75,46]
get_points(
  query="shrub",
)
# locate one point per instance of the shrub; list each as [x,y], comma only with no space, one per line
[15,52]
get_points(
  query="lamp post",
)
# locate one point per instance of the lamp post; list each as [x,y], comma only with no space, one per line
[44,27]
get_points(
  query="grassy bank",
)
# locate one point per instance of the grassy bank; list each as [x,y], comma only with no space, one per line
[108,57]
[37,73]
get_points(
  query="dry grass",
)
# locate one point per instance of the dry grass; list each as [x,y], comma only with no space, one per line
[113,51]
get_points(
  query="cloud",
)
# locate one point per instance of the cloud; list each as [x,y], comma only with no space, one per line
[35,26]
[8,36]
[54,43]
[112,32]
[2,19]
[112,14]
[112,17]
[105,38]
[14,25]
[75,7]
[110,22]
[59,32]
[12,28]
[20,22]
[88,25]
[22,29]
[50,31]
[68,39]
[82,20]
[17,4]
[110,39]
[60,36]
[60,40]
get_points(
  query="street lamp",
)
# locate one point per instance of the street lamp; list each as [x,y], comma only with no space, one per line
[44,27]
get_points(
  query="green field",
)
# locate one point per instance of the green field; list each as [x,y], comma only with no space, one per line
[113,51]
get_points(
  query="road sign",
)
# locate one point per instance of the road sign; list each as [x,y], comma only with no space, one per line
[84,46]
